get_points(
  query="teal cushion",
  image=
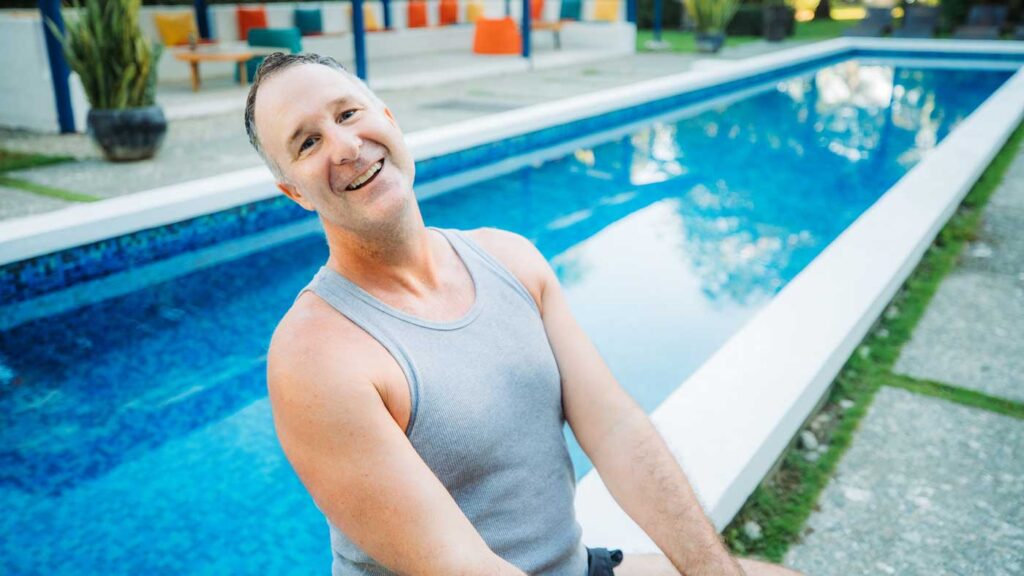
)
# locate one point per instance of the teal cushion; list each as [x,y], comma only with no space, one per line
[571,10]
[309,21]
[288,38]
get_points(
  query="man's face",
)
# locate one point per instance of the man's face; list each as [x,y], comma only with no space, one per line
[339,153]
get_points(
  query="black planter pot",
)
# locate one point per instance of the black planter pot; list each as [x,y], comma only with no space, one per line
[709,42]
[776,23]
[128,134]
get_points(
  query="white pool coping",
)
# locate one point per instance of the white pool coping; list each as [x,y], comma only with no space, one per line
[35,235]
[730,420]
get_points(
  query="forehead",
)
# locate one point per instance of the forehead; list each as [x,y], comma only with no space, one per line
[299,94]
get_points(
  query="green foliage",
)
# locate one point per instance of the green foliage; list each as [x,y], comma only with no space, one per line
[712,16]
[784,501]
[104,45]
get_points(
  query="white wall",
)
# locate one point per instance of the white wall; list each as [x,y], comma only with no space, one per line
[26,89]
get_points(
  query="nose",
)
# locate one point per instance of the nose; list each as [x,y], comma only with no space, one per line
[344,144]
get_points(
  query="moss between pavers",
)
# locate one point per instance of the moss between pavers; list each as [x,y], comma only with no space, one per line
[17,161]
[786,498]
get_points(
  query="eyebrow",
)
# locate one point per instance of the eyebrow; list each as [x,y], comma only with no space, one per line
[337,102]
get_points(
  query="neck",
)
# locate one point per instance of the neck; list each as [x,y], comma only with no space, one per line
[390,257]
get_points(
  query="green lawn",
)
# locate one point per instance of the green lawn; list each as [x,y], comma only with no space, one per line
[821,29]
[685,42]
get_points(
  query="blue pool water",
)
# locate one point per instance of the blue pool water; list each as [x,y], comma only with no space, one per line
[136,433]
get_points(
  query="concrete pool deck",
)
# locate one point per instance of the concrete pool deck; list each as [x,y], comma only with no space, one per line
[204,145]
[930,486]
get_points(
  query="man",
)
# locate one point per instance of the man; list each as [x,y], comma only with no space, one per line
[420,384]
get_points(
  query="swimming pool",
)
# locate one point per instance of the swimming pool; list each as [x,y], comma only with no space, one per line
[136,431]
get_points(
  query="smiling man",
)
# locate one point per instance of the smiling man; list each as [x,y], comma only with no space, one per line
[421,382]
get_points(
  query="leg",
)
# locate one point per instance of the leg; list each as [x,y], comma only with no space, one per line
[195,75]
[658,565]
[243,73]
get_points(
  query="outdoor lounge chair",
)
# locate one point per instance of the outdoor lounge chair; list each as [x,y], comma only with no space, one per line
[570,10]
[919,22]
[984,22]
[877,23]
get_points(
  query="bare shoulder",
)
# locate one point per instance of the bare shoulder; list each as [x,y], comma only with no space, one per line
[519,255]
[311,341]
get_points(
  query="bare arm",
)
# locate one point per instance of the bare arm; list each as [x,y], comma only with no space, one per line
[358,464]
[631,457]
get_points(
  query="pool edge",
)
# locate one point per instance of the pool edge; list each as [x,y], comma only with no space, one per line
[730,421]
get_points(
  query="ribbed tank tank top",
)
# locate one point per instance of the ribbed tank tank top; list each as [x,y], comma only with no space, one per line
[486,414]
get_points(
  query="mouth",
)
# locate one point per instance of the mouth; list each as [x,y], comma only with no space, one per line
[366,177]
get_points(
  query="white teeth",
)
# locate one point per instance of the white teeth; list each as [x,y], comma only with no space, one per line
[366,175]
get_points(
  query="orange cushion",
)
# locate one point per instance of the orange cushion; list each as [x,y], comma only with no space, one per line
[417,14]
[536,9]
[249,18]
[449,12]
[499,36]
[175,27]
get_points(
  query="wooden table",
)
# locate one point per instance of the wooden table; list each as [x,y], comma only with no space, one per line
[221,54]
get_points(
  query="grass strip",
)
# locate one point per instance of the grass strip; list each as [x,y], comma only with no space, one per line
[962,396]
[42,190]
[786,498]
[18,161]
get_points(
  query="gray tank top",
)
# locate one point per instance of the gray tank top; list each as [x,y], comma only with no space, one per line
[486,415]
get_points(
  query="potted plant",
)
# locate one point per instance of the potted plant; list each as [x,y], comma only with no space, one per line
[104,45]
[776,16]
[710,18]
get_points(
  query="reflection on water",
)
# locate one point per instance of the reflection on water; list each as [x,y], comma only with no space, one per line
[147,414]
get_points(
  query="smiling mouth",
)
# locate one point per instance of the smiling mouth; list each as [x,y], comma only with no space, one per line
[366,177]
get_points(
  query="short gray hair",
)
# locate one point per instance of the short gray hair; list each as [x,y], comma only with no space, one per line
[277,62]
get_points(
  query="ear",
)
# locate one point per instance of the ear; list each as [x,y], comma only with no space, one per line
[296,196]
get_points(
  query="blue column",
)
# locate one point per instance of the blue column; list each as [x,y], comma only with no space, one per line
[526,28]
[631,11]
[59,72]
[359,37]
[202,18]
[387,14]
[657,20]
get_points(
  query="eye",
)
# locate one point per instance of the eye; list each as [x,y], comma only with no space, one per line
[306,144]
[346,115]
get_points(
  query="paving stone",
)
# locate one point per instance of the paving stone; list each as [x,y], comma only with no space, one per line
[16,203]
[972,335]
[999,247]
[928,487]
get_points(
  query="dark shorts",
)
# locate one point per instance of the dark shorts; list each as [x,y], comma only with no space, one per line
[600,561]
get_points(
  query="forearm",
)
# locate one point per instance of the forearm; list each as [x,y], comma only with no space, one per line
[645,479]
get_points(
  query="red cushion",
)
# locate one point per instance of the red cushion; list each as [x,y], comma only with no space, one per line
[249,18]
